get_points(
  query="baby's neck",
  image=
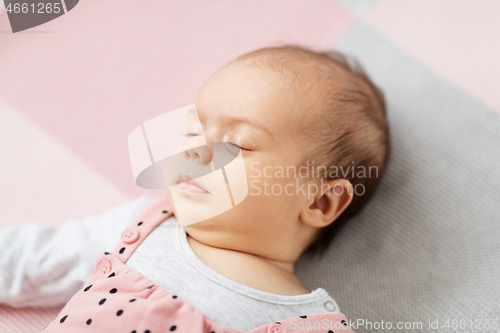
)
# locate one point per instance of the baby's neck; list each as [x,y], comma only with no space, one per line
[253,271]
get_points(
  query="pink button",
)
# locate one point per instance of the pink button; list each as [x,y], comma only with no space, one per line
[104,267]
[130,235]
[276,329]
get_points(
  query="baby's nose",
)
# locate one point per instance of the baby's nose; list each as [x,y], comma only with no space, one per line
[196,147]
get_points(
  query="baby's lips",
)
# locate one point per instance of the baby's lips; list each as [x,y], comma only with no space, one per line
[186,182]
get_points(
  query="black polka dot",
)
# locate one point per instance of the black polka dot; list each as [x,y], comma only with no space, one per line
[165,211]
[175,296]
[112,291]
[173,328]
[89,321]
[101,302]
[278,322]
[119,313]
[146,331]
[106,253]
[343,322]
[133,331]
[330,331]
[139,223]
[121,250]
[87,289]
[303,317]
[132,300]
[63,319]
[111,275]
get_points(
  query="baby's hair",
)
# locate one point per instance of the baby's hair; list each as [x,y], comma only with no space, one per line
[349,111]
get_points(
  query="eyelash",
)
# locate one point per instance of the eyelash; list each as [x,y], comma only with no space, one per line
[192,134]
[239,146]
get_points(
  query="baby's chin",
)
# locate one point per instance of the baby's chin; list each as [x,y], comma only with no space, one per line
[198,209]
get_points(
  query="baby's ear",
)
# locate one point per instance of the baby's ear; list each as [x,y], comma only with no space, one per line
[332,199]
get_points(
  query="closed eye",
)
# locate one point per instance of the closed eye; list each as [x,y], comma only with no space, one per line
[233,144]
[239,146]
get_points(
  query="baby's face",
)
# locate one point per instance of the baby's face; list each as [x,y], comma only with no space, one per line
[244,106]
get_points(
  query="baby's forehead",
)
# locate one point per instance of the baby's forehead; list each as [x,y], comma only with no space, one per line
[327,90]
[315,83]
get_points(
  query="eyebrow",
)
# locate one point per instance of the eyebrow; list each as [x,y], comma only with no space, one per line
[247,121]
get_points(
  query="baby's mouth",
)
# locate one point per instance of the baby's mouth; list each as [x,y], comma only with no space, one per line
[187,184]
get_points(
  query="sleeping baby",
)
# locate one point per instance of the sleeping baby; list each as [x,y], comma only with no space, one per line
[312,134]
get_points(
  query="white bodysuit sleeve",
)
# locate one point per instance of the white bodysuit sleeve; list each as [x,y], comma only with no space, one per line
[44,266]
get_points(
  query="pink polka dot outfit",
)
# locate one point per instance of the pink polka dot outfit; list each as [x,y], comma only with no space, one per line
[117,299]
